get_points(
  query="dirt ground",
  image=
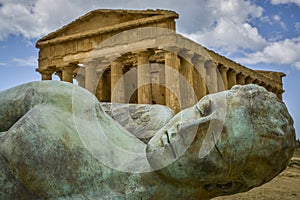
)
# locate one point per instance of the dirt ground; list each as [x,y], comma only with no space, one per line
[285,186]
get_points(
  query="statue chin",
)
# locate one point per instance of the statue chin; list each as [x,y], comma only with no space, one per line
[218,143]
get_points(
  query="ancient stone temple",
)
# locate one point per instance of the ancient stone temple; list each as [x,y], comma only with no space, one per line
[121,56]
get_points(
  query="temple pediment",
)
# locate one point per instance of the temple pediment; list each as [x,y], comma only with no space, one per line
[103,20]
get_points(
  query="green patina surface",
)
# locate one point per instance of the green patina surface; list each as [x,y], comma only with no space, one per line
[227,143]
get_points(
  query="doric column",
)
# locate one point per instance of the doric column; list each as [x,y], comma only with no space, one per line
[90,76]
[200,74]
[212,78]
[186,66]
[223,72]
[249,80]
[67,75]
[240,79]
[80,77]
[231,77]
[172,81]
[187,91]
[81,80]
[46,73]
[103,92]
[162,81]
[103,78]
[117,94]
[144,77]
[68,72]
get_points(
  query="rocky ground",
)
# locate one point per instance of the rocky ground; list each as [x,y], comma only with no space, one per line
[286,186]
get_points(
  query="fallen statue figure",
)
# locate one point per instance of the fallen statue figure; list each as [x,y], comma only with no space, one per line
[58,142]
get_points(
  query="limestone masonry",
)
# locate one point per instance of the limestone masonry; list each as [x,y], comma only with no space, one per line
[99,48]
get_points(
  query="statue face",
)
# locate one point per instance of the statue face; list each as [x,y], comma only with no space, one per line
[181,139]
[215,145]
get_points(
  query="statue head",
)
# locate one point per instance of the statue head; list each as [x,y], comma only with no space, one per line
[228,142]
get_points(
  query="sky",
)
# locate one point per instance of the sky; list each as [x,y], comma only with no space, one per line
[260,34]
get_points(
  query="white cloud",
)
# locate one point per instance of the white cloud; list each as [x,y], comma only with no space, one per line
[297,65]
[34,18]
[30,61]
[277,2]
[265,19]
[2,64]
[285,52]
[230,29]
[230,37]
[236,10]
[16,18]
[277,19]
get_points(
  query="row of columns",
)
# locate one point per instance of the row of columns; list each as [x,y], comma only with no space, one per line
[187,79]
[66,73]
[231,77]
